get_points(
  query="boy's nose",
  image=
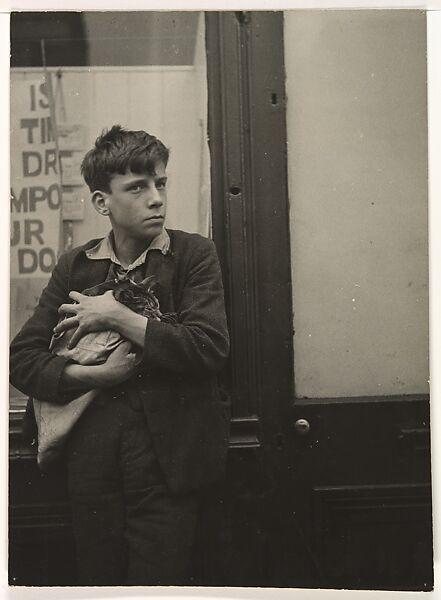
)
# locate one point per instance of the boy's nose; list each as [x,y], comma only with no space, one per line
[154,198]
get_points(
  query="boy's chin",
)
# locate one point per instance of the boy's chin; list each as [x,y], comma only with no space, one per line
[156,228]
[152,231]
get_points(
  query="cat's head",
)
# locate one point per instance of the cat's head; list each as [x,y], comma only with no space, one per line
[139,297]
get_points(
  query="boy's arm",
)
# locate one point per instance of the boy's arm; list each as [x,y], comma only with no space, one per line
[33,369]
[199,343]
[120,365]
[37,372]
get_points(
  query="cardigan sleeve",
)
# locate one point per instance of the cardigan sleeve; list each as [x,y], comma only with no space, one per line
[198,344]
[33,369]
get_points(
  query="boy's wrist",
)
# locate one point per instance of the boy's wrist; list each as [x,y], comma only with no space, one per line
[118,316]
[130,325]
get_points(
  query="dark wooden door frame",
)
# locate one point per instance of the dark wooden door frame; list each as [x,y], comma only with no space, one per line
[247,136]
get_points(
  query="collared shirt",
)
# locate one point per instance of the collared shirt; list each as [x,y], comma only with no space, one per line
[104,250]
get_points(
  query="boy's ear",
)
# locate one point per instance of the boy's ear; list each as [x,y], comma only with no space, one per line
[99,201]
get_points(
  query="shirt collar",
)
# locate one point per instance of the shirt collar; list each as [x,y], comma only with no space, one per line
[103,250]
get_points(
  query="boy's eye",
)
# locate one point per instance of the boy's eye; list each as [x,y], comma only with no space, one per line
[160,185]
[136,188]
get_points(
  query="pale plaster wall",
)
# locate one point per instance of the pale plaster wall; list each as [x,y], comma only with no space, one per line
[357,154]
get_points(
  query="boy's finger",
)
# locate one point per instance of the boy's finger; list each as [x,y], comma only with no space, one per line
[65,324]
[67,308]
[76,296]
[77,335]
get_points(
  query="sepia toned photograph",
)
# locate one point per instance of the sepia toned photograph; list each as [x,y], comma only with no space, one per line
[219,300]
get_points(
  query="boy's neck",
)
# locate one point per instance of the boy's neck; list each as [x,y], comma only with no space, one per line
[128,249]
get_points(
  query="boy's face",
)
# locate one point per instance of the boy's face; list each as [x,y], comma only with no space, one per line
[137,204]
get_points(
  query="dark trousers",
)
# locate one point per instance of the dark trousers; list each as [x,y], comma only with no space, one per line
[128,528]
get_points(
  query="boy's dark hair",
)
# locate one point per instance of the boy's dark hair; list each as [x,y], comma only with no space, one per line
[116,150]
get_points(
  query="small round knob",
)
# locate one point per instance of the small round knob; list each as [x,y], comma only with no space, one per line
[302,426]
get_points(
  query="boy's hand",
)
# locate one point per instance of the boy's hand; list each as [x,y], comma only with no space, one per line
[119,366]
[90,313]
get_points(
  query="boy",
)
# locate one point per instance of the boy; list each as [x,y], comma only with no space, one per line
[144,450]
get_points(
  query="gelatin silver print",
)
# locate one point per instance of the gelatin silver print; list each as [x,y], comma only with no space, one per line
[219,338]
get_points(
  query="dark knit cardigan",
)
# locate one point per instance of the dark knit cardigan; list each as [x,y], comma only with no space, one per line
[176,382]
